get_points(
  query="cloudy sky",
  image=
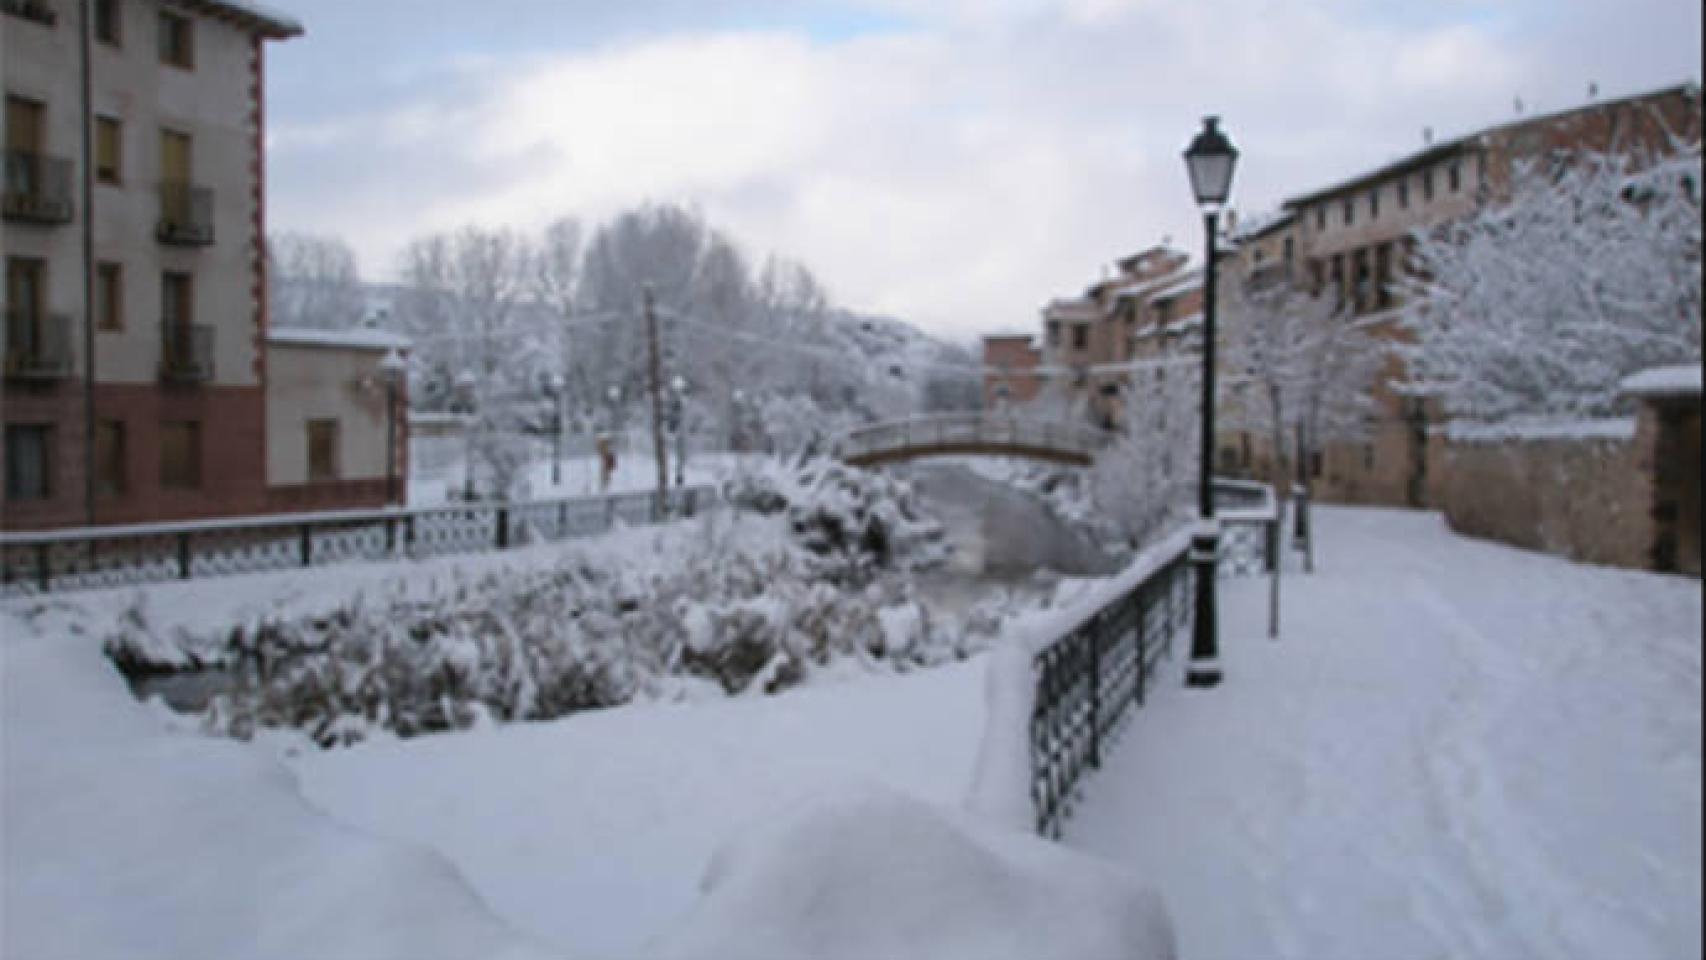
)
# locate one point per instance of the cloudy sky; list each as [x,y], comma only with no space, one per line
[954,163]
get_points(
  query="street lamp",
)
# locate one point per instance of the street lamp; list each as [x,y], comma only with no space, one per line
[465,384]
[1209,160]
[678,418]
[392,366]
[554,389]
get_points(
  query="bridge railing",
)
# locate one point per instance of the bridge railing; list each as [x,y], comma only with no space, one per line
[94,557]
[972,430]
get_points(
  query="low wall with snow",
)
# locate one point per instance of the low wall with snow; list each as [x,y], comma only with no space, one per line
[1580,490]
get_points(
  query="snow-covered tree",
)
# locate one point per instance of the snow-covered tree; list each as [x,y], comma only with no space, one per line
[313,281]
[1145,481]
[1541,304]
[475,339]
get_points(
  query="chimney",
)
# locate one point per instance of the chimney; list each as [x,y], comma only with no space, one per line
[1593,90]
[1427,136]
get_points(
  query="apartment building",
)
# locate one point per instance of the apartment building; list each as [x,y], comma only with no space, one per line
[1011,376]
[1353,237]
[134,375]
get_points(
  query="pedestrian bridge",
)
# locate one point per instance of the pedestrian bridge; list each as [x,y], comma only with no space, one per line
[972,434]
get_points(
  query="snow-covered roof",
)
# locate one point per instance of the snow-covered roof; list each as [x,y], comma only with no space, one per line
[1257,224]
[1675,380]
[1073,309]
[1190,281]
[436,418]
[1441,149]
[262,19]
[343,339]
[1009,335]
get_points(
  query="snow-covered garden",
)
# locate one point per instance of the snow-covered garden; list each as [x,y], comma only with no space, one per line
[1454,748]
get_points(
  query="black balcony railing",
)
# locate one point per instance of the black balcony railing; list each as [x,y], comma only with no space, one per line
[186,352]
[38,345]
[186,215]
[37,188]
[40,11]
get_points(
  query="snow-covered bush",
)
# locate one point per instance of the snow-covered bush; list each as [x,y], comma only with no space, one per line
[738,601]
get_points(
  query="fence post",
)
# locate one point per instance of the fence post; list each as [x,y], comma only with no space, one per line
[390,535]
[562,519]
[409,535]
[307,536]
[1143,607]
[503,527]
[184,555]
[1271,548]
[1096,630]
[44,567]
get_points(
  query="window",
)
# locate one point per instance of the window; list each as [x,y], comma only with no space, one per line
[109,458]
[1452,177]
[1427,186]
[1368,456]
[1374,204]
[1288,250]
[109,296]
[1320,218]
[25,122]
[322,450]
[107,22]
[1163,312]
[177,294]
[1350,211]
[1404,194]
[28,474]
[109,149]
[175,148]
[1080,336]
[180,454]
[177,40]
[1054,333]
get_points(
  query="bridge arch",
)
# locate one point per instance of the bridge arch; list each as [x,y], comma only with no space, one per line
[972,434]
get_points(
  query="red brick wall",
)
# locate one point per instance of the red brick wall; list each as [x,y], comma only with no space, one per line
[233,457]
[1015,354]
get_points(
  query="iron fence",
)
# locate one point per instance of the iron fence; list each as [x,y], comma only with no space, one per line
[38,563]
[1092,678]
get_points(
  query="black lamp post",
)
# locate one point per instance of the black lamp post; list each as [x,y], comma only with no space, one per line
[1209,159]
[554,389]
[392,366]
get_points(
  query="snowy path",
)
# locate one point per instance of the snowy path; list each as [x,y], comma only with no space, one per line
[1456,749]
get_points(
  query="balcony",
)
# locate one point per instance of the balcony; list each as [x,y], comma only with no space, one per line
[38,10]
[38,345]
[37,188]
[186,352]
[186,215]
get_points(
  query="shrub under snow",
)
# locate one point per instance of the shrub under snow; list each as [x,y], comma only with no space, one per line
[734,603]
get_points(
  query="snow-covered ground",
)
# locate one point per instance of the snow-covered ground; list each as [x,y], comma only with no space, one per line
[578,476]
[1456,749]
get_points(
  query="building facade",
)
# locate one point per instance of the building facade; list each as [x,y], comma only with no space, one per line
[1010,370]
[1353,238]
[135,376]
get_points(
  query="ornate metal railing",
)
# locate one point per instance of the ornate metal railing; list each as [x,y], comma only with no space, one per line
[35,563]
[1091,678]
[186,214]
[186,352]
[37,188]
[971,433]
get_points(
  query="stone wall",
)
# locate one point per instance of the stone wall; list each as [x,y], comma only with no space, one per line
[1585,494]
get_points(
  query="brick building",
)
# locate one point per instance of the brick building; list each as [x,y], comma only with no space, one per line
[1011,376]
[1353,237]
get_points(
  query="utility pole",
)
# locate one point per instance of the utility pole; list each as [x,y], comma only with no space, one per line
[655,377]
[86,29]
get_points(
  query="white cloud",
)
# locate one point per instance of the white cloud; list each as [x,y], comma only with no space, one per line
[958,174]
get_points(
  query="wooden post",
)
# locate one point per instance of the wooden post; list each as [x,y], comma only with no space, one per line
[307,534]
[184,555]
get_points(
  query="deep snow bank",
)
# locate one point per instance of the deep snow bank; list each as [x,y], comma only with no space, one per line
[877,874]
[122,838]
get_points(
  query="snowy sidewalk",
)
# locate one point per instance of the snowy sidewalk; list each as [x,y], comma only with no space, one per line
[1456,749]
